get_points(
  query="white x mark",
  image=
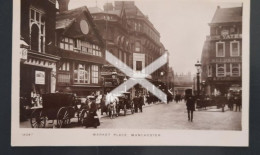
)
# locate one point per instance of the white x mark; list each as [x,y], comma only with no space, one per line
[138,77]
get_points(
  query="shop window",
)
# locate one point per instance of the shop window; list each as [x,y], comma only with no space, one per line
[139,66]
[221,70]
[209,68]
[220,49]
[81,73]
[37,29]
[94,70]
[67,44]
[234,48]
[235,69]
[137,46]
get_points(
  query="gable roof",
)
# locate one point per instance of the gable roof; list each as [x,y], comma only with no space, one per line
[65,19]
[227,15]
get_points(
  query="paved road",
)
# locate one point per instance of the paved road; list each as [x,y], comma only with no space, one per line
[170,116]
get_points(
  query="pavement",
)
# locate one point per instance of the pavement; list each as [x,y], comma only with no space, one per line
[166,116]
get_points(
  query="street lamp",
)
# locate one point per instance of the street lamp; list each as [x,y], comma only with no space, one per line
[198,66]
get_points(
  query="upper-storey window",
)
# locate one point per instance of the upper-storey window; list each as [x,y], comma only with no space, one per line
[221,70]
[234,48]
[67,44]
[209,68]
[96,50]
[37,29]
[86,47]
[220,49]
[137,46]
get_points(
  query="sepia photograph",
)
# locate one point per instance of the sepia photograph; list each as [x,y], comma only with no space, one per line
[138,72]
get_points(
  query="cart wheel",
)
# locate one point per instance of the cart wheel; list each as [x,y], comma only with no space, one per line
[83,116]
[63,117]
[124,109]
[38,120]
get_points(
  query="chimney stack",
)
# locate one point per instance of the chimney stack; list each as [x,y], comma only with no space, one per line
[63,5]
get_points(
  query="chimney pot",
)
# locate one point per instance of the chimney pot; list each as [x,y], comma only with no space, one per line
[63,5]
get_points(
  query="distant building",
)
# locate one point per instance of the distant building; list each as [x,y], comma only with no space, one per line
[182,82]
[222,52]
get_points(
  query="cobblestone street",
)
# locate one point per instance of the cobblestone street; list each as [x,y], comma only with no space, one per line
[168,116]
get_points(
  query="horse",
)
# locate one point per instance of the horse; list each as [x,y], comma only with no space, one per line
[112,103]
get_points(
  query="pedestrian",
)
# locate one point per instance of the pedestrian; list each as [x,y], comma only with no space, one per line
[141,103]
[190,103]
[239,102]
[136,100]
[92,119]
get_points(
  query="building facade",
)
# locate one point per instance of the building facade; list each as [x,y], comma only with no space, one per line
[222,52]
[38,63]
[81,49]
[113,27]
[182,82]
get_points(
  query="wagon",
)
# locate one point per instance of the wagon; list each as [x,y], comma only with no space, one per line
[61,107]
[125,103]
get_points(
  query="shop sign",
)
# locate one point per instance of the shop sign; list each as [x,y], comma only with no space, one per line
[226,78]
[225,36]
[40,77]
[225,60]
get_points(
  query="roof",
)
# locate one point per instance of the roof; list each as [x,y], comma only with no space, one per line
[94,10]
[227,15]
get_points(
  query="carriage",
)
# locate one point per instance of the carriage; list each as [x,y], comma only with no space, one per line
[125,103]
[61,107]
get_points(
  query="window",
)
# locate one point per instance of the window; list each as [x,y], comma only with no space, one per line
[234,48]
[137,46]
[77,44]
[81,73]
[65,66]
[220,49]
[67,44]
[94,70]
[86,47]
[37,29]
[209,71]
[138,65]
[221,70]
[235,69]
[96,50]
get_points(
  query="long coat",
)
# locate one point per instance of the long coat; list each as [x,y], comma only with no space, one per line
[190,103]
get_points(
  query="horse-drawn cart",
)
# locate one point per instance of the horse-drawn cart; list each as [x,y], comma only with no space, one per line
[61,107]
[125,103]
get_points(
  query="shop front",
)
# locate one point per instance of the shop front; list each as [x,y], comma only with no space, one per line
[37,77]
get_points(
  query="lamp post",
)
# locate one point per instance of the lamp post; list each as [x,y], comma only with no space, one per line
[198,66]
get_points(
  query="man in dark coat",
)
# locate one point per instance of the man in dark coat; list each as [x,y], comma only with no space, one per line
[190,103]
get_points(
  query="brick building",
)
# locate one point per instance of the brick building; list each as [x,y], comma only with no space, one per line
[222,52]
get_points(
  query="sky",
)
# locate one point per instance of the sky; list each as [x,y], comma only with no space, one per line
[182,24]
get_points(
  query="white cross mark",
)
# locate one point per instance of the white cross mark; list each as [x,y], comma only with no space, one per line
[138,77]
